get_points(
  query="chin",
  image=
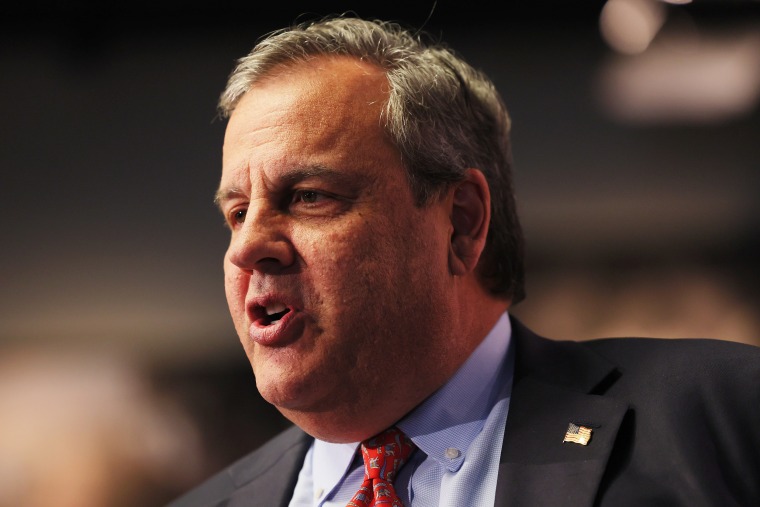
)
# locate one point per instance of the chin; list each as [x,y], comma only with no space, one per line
[291,394]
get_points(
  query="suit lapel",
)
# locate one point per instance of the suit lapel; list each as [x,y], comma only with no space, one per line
[556,383]
[269,480]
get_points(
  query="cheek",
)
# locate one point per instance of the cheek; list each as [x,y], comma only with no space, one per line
[235,289]
[345,267]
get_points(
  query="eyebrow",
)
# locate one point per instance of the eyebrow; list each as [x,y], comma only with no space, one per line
[223,195]
[290,178]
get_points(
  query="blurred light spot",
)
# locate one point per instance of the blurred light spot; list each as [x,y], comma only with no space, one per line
[677,2]
[629,26]
[686,80]
[683,302]
[87,431]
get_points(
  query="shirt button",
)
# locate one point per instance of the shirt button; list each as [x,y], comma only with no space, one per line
[452,453]
[318,493]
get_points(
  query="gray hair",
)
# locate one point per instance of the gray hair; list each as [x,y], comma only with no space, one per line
[443,115]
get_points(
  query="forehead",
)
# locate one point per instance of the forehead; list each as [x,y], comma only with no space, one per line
[325,111]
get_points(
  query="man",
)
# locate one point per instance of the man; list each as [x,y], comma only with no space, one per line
[374,254]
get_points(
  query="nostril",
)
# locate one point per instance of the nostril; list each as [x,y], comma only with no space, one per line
[268,260]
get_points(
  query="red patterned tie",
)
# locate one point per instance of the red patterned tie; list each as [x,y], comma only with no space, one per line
[383,455]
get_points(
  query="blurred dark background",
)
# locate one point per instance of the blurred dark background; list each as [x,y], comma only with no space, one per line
[636,133]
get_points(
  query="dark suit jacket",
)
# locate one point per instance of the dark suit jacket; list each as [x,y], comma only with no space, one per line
[674,423]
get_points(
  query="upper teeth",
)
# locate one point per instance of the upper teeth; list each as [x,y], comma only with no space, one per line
[275,308]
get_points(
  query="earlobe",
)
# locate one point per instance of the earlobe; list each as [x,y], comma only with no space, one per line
[470,216]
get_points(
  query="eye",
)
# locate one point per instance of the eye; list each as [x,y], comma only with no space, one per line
[307,197]
[315,203]
[237,217]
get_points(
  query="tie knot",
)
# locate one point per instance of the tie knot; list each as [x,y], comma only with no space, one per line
[385,453]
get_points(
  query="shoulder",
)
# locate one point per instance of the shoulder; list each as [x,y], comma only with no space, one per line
[692,401]
[692,409]
[646,369]
[283,453]
[683,372]
[268,455]
[700,356]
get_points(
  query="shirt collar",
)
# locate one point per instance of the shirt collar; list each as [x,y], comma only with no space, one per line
[340,456]
[446,423]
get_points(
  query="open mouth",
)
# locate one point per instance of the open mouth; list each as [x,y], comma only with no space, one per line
[272,313]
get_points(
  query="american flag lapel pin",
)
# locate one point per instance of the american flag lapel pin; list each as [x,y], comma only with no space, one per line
[577,434]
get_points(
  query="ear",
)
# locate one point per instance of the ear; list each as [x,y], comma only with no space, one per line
[470,216]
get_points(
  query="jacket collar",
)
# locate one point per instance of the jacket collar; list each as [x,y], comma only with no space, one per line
[268,477]
[556,383]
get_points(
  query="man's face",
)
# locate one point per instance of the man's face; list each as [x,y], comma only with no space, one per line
[338,284]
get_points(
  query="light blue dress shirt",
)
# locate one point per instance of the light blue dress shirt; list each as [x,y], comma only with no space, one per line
[458,432]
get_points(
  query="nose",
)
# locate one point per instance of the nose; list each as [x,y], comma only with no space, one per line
[262,242]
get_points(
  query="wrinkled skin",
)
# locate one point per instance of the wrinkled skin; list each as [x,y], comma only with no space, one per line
[324,225]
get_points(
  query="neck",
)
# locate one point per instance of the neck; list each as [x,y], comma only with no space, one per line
[435,357]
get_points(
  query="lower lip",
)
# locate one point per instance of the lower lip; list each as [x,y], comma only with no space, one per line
[279,333]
